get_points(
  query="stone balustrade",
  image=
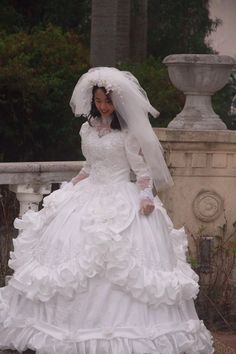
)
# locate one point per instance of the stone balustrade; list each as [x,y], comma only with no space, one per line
[32,180]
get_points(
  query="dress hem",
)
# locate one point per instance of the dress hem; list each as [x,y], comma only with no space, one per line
[190,337]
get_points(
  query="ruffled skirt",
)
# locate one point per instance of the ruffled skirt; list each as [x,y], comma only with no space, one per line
[94,276]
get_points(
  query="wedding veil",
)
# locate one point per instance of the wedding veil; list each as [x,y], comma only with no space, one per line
[132,107]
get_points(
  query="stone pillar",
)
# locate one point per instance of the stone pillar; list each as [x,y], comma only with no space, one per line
[29,196]
[199,76]
[203,166]
[203,200]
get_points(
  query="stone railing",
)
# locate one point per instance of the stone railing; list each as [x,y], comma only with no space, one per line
[32,180]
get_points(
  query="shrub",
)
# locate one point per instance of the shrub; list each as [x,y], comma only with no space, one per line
[37,75]
[221,103]
[153,77]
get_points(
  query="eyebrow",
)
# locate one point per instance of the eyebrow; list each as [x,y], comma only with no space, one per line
[99,99]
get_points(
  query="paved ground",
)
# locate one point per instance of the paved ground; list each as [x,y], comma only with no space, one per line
[225,342]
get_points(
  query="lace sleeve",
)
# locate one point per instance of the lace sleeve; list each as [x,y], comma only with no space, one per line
[139,167]
[85,171]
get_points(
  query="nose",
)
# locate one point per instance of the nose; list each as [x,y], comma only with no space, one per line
[103,106]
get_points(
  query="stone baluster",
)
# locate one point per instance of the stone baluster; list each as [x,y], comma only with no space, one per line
[30,195]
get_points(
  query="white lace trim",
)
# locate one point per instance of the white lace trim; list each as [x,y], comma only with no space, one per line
[146,194]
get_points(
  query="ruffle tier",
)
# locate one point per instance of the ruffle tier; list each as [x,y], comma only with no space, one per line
[179,341]
[189,337]
[105,255]
[106,250]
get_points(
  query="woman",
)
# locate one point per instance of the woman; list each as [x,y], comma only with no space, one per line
[100,269]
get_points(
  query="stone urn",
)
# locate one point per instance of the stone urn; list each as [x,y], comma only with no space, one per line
[199,76]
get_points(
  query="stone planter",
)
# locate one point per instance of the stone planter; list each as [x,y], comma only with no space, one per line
[199,76]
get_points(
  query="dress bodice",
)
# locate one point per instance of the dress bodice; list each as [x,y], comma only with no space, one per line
[105,155]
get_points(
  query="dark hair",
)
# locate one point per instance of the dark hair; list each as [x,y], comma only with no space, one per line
[94,113]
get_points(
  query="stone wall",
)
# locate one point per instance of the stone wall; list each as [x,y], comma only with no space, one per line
[203,165]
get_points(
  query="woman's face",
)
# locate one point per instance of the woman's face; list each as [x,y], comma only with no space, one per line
[103,103]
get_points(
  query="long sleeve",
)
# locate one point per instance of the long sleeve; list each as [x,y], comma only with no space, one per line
[85,171]
[139,167]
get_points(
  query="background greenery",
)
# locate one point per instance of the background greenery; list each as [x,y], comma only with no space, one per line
[44,48]
[37,74]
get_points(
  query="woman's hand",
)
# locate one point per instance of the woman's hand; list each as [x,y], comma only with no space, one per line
[82,175]
[146,207]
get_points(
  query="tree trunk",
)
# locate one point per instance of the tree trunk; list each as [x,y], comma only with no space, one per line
[138,33]
[123,30]
[110,32]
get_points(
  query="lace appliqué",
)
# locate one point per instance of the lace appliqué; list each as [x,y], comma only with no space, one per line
[118,152]
[102,125]
[145,184]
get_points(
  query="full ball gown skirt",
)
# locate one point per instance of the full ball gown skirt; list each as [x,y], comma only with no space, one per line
[94,276]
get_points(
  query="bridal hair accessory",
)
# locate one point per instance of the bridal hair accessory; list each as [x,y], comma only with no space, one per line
[132,108]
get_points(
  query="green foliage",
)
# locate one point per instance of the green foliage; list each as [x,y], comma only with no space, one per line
[37,75]
[221,103]
[25,15]
[174,26]
[153,77]
[10,19]
[179,26]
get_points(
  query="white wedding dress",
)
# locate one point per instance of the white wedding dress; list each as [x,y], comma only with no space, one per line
[93,275]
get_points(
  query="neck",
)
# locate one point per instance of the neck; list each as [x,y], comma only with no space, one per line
[106,120]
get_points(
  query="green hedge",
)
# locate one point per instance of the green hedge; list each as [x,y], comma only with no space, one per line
[153,77]
[37,75]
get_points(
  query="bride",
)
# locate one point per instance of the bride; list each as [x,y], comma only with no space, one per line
[100,269]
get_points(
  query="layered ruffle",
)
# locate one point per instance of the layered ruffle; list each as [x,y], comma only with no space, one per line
[106,250]
[189,337]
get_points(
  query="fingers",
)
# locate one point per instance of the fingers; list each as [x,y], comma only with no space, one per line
[147,209]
